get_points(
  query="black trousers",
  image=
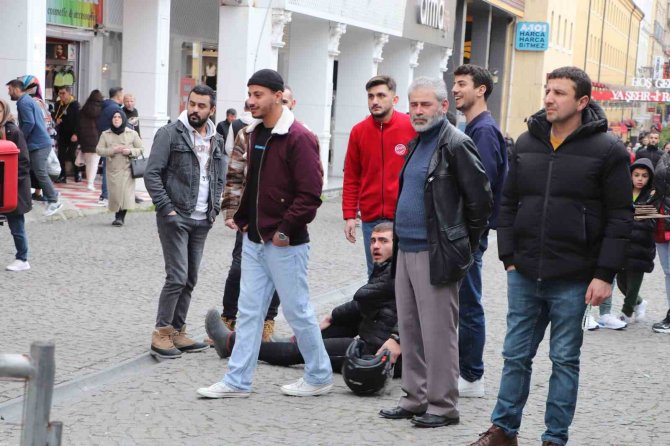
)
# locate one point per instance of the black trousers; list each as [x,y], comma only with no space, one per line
[67,151]
[231,292]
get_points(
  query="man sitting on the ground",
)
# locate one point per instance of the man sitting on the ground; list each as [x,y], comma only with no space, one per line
[371,315]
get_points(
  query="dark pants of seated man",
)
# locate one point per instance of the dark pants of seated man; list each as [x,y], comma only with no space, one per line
[336,339]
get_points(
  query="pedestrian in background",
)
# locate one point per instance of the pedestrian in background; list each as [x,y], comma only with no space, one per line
[109,106]
[66,117]
[131,112]
[662,234]
[651,151]
[119,144]
[15,219]
[89,136]
[185,175]
[33,127]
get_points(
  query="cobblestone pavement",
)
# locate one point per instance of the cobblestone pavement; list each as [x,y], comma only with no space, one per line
[99,320]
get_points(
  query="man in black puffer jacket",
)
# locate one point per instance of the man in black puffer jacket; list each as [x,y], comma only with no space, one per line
[563,229]
[651,151]
[371,315]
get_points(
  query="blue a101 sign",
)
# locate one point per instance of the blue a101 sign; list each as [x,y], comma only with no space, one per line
[532,36]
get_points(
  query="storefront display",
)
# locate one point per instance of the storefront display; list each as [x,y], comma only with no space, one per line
[61,68]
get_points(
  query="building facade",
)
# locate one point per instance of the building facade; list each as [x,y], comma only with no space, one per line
[326,50]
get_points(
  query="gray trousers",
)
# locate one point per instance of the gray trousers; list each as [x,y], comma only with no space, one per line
[38,163]
[183,241]
[428,323]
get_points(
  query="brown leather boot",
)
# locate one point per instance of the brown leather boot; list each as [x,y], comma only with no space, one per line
[162,345]
[186,344]
[268,330]
[495,436]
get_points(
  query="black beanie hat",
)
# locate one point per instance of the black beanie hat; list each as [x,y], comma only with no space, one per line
[267,78]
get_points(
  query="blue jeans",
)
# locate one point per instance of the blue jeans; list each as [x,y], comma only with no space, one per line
[471,322]
[103,192]
[264,268]
[367,233]
[38,163]
[532,305]
[17,226]
[663,250]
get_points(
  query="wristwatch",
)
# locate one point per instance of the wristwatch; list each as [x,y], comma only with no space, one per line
[395,337]
[281,236]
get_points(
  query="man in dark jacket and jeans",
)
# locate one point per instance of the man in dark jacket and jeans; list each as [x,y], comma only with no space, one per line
[185,175]
[562,233]
[443,207]
[281,196]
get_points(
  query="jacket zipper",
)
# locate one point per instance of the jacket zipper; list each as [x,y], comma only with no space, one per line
[381,129]
[544,213]
[258,186]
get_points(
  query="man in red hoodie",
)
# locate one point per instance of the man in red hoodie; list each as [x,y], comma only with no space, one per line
[375,156]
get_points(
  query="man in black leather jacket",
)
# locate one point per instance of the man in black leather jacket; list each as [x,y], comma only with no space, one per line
[443,208]
[371,315]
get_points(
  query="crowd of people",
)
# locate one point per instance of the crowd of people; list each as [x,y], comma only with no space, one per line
[81,138]
[562,200]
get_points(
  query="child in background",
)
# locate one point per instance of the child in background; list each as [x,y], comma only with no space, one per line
[641,249]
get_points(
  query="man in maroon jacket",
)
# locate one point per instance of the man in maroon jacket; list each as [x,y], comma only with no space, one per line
[375,155]
[282,195]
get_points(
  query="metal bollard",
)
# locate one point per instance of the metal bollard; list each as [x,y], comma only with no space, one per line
[37,402]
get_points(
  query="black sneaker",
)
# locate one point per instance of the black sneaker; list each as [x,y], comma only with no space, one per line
[663,326]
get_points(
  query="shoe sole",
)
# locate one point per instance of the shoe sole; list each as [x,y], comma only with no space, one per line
[321,391]
[404,417]
[193,350]
[214,331]
[661,330]
[446,423]
[612,328]
[205,394]
[155,354]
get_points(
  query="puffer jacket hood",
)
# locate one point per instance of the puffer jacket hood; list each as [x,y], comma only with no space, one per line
[594,120]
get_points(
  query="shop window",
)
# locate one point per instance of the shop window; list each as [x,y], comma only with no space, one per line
[62,68]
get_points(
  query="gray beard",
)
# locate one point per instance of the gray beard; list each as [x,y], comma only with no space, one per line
[437,120]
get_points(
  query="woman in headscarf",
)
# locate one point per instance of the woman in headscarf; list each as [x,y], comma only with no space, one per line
[119,144]
[89,136]
[15,219]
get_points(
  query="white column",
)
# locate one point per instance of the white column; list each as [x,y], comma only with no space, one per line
[280,19]
[433,61]
[145,61]
[314,45]
[24,50]
[400,59]
[360,55]
[245,46]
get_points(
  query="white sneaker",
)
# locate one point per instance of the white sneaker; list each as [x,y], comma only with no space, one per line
[612,322]
[103,202]
[641,311]
[627,319]
[18,265]
[221,390]
[301,388]
[91,187]
[52,208]
[467,389]
[591,323]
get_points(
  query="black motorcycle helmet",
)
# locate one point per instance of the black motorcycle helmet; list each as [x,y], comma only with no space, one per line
[365,374]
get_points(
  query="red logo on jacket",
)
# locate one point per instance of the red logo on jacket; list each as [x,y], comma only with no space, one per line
[401,150]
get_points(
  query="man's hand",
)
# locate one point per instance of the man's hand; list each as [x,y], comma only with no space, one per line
[126,151]
[392,346]
[350,230]
[231,224]
[597,292]
[172,213]
[326,322]
[511,268]
[279,242]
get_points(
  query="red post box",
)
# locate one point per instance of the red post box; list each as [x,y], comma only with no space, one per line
[9,176]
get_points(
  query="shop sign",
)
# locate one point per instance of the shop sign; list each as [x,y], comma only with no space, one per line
[631,95]
[75,13]
[532,36]
[647,82]
[431,13]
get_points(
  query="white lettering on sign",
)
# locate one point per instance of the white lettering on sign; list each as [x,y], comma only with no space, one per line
[648,82]
[431,13]
[532,36]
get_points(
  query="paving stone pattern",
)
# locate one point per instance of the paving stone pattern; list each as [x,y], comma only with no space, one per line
[93,289]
